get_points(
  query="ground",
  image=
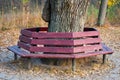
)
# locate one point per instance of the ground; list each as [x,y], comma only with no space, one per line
[91,69]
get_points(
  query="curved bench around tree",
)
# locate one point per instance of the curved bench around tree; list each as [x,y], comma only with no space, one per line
[34,42]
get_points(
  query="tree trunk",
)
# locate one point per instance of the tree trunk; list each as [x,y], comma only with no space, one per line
[65,15]
[102,12]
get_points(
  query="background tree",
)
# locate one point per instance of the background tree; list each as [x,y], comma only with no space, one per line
[102,12]
[25,6]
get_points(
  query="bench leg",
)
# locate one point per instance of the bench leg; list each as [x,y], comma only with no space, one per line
[104,57]
[73,64]
[57,62]
[29,63]
[15,56]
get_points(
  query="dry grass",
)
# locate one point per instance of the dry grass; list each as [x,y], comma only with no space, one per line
[21,20]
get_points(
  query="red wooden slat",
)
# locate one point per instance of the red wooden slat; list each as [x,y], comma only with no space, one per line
[46,28]
[38,28]
[24,46]
[46,41]
[50,55]
[43,28]
[51,49]
[65,42]
[25,39]
[32,29]
[52,42]
[91,54]
[53,35]
[89,29]
[27,33]
[45,49]
[85,34]
[87,48]
[87,41]
[65,35]
[46,35]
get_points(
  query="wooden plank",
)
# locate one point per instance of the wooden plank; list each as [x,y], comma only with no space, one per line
[66,34]
[38,28]
[46,49]
[64,42]
[17,50]
[52,42]
[27,33]
[89,29]
[25,39]
[87,41]
[53,35]
[85,34]
[91,54]
[45,35]
[43,28]
[87,48]
[24,46]
[61,50]
[46,28]
[33,29]
[46,41]
[50,56]
[105,48]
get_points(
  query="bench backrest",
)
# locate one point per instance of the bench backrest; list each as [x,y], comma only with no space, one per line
[39,40]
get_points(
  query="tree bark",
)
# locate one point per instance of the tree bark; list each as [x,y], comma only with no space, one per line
[65,15]
[102,13]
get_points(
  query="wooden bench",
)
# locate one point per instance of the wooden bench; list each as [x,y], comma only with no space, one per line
[34,42]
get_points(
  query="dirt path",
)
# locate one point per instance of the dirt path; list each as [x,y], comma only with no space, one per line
[92,70]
